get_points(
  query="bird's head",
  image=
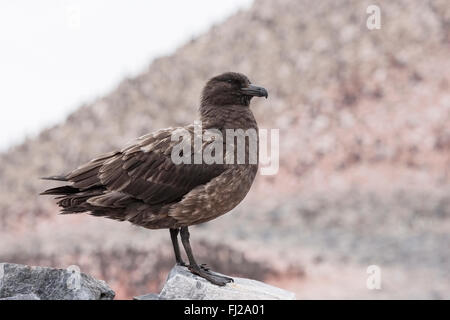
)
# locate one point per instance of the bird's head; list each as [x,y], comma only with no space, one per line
[230,88]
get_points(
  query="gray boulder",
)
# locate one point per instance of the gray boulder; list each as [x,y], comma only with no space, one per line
[181,284]
[20,282]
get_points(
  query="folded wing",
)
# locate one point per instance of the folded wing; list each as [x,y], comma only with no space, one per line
[141,172]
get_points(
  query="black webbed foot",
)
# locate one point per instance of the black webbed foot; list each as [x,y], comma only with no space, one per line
[205,267]
[211,277]
[202,270]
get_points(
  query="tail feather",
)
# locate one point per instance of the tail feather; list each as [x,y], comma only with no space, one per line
[64,190]
[77,202]
[55,178]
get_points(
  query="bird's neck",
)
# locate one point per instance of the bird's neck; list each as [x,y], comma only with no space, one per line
[227,117]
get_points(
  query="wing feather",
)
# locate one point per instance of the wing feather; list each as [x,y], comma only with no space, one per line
[143,170]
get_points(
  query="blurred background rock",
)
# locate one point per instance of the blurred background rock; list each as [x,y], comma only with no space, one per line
[364,179]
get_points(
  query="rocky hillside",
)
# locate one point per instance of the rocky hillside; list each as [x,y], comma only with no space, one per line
[364,156]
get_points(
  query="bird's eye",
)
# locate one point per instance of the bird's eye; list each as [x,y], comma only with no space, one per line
[230,81]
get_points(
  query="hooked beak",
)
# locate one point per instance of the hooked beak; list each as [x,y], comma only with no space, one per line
[255,91]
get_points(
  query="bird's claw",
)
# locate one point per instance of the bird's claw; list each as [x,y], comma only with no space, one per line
[211,277]
[205,267]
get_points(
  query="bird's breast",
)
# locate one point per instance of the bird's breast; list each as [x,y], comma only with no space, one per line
[215,198]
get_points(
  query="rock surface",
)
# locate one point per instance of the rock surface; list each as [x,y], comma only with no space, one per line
[182,284]
[20,282]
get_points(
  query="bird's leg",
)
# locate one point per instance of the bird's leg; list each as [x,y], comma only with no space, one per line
[195,268]
[176,247]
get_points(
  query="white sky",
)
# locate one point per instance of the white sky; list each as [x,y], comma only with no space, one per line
[56,54]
